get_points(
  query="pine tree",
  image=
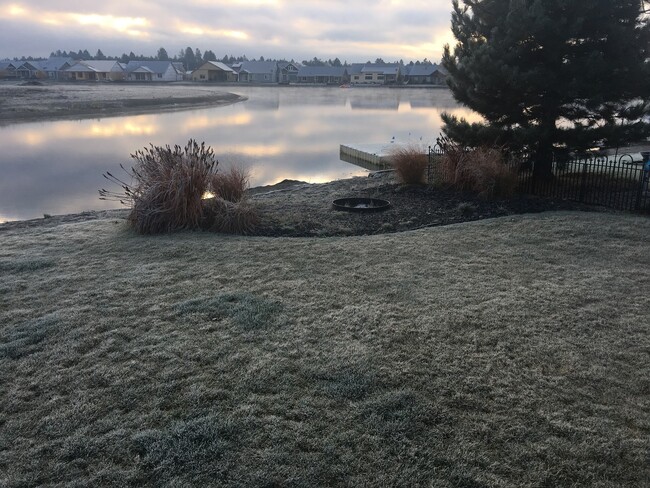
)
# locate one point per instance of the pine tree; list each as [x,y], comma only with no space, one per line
[549,74]
[162,55]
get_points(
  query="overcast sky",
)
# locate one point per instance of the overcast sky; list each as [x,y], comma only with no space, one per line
[353,30]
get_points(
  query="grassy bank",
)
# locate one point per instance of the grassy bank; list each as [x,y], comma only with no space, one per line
[505,352]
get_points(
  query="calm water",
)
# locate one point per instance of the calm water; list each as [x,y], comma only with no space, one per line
[280,132]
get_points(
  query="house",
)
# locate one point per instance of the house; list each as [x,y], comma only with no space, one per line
[257,71]
[154,71]
[325,75]
[374,74]
[214,71]
[54,67]
[426,73]
[96,71]
[288,72]
[8,69]
[28,69]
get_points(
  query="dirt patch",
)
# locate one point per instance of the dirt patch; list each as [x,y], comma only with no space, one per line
[49,101]
[296,209]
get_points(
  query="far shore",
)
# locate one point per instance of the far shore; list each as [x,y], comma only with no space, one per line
[22,102]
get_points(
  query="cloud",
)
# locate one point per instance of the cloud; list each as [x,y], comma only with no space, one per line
[353,31]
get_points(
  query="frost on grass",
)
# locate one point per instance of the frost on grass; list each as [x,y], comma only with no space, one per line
[25,265]
[245,309]
[188,450]
[26,338]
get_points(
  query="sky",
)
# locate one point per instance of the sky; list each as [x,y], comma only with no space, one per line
[352,30]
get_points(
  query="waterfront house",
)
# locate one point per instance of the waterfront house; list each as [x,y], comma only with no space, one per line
[154,71]
[27,70]
[288,72]
[322,75]
[374,74]
[214,71]
[425,73]
[8,69]
[54,67]
[257,71]
[96,71]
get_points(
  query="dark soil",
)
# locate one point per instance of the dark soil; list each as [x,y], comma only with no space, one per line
[306,210]
[296,209]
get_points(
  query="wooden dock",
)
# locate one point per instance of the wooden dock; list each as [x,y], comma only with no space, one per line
[371,156]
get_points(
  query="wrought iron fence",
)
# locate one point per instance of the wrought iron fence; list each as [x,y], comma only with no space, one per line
[618,181]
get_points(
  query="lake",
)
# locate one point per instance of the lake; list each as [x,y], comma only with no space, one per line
[278,133]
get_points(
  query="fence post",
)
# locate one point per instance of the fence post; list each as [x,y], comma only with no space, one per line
[645,176]
[583,181]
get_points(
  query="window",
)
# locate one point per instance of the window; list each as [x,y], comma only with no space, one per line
[368,78]
[159,75]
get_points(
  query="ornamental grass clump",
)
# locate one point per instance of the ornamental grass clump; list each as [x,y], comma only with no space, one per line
[168,187]
[482,170]
[410,162]
[231,185]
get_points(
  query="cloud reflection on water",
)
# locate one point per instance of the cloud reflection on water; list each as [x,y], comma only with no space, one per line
[279,132]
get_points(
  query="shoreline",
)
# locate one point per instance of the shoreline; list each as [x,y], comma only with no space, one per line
[20,103]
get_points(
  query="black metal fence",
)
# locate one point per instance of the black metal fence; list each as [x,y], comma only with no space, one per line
[616,181]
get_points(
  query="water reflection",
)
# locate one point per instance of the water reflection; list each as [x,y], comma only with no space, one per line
[279,132]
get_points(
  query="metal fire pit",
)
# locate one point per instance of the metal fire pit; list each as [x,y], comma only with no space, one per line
[361,204]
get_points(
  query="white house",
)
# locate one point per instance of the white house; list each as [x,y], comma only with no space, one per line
[154,71]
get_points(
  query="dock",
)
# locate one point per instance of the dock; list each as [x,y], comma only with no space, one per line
[369,156]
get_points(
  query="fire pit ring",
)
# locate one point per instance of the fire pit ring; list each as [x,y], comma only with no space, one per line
[355,204]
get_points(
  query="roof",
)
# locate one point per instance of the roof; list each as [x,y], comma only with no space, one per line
[218,65]
[158,67]
[96,66]
[261,67]
[386,69]
[336,71]
[55,63]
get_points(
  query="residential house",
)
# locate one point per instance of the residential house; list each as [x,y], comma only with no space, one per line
[28,70]
[96,71]
[158,71]
[426,73]
[8,69]
[288,72]
[214,71]
[257,71]
[55,67]
[323,75]
[375,74]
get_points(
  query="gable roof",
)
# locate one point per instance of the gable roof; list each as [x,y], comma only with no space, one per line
[258,67]
[96,66]
[55,63]
[217,64]
[157,67]
[385,69]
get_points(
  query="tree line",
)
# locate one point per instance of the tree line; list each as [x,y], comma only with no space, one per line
[192,58]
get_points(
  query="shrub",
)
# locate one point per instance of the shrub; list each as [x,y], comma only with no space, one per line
[410,162]
[230,217]
[481,170]
[231,185]
[167,187]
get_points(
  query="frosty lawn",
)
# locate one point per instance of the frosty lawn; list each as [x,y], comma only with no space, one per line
[505,352]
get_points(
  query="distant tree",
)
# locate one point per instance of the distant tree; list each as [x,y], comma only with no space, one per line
[162,55]
[209,56]
[189,59]
[549,75]
[197,56]
[100,55]
[379,61]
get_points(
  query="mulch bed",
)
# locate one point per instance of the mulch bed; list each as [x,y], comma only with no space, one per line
[297,209]
[306,210]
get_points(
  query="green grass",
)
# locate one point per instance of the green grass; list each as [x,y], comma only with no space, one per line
[510,352]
